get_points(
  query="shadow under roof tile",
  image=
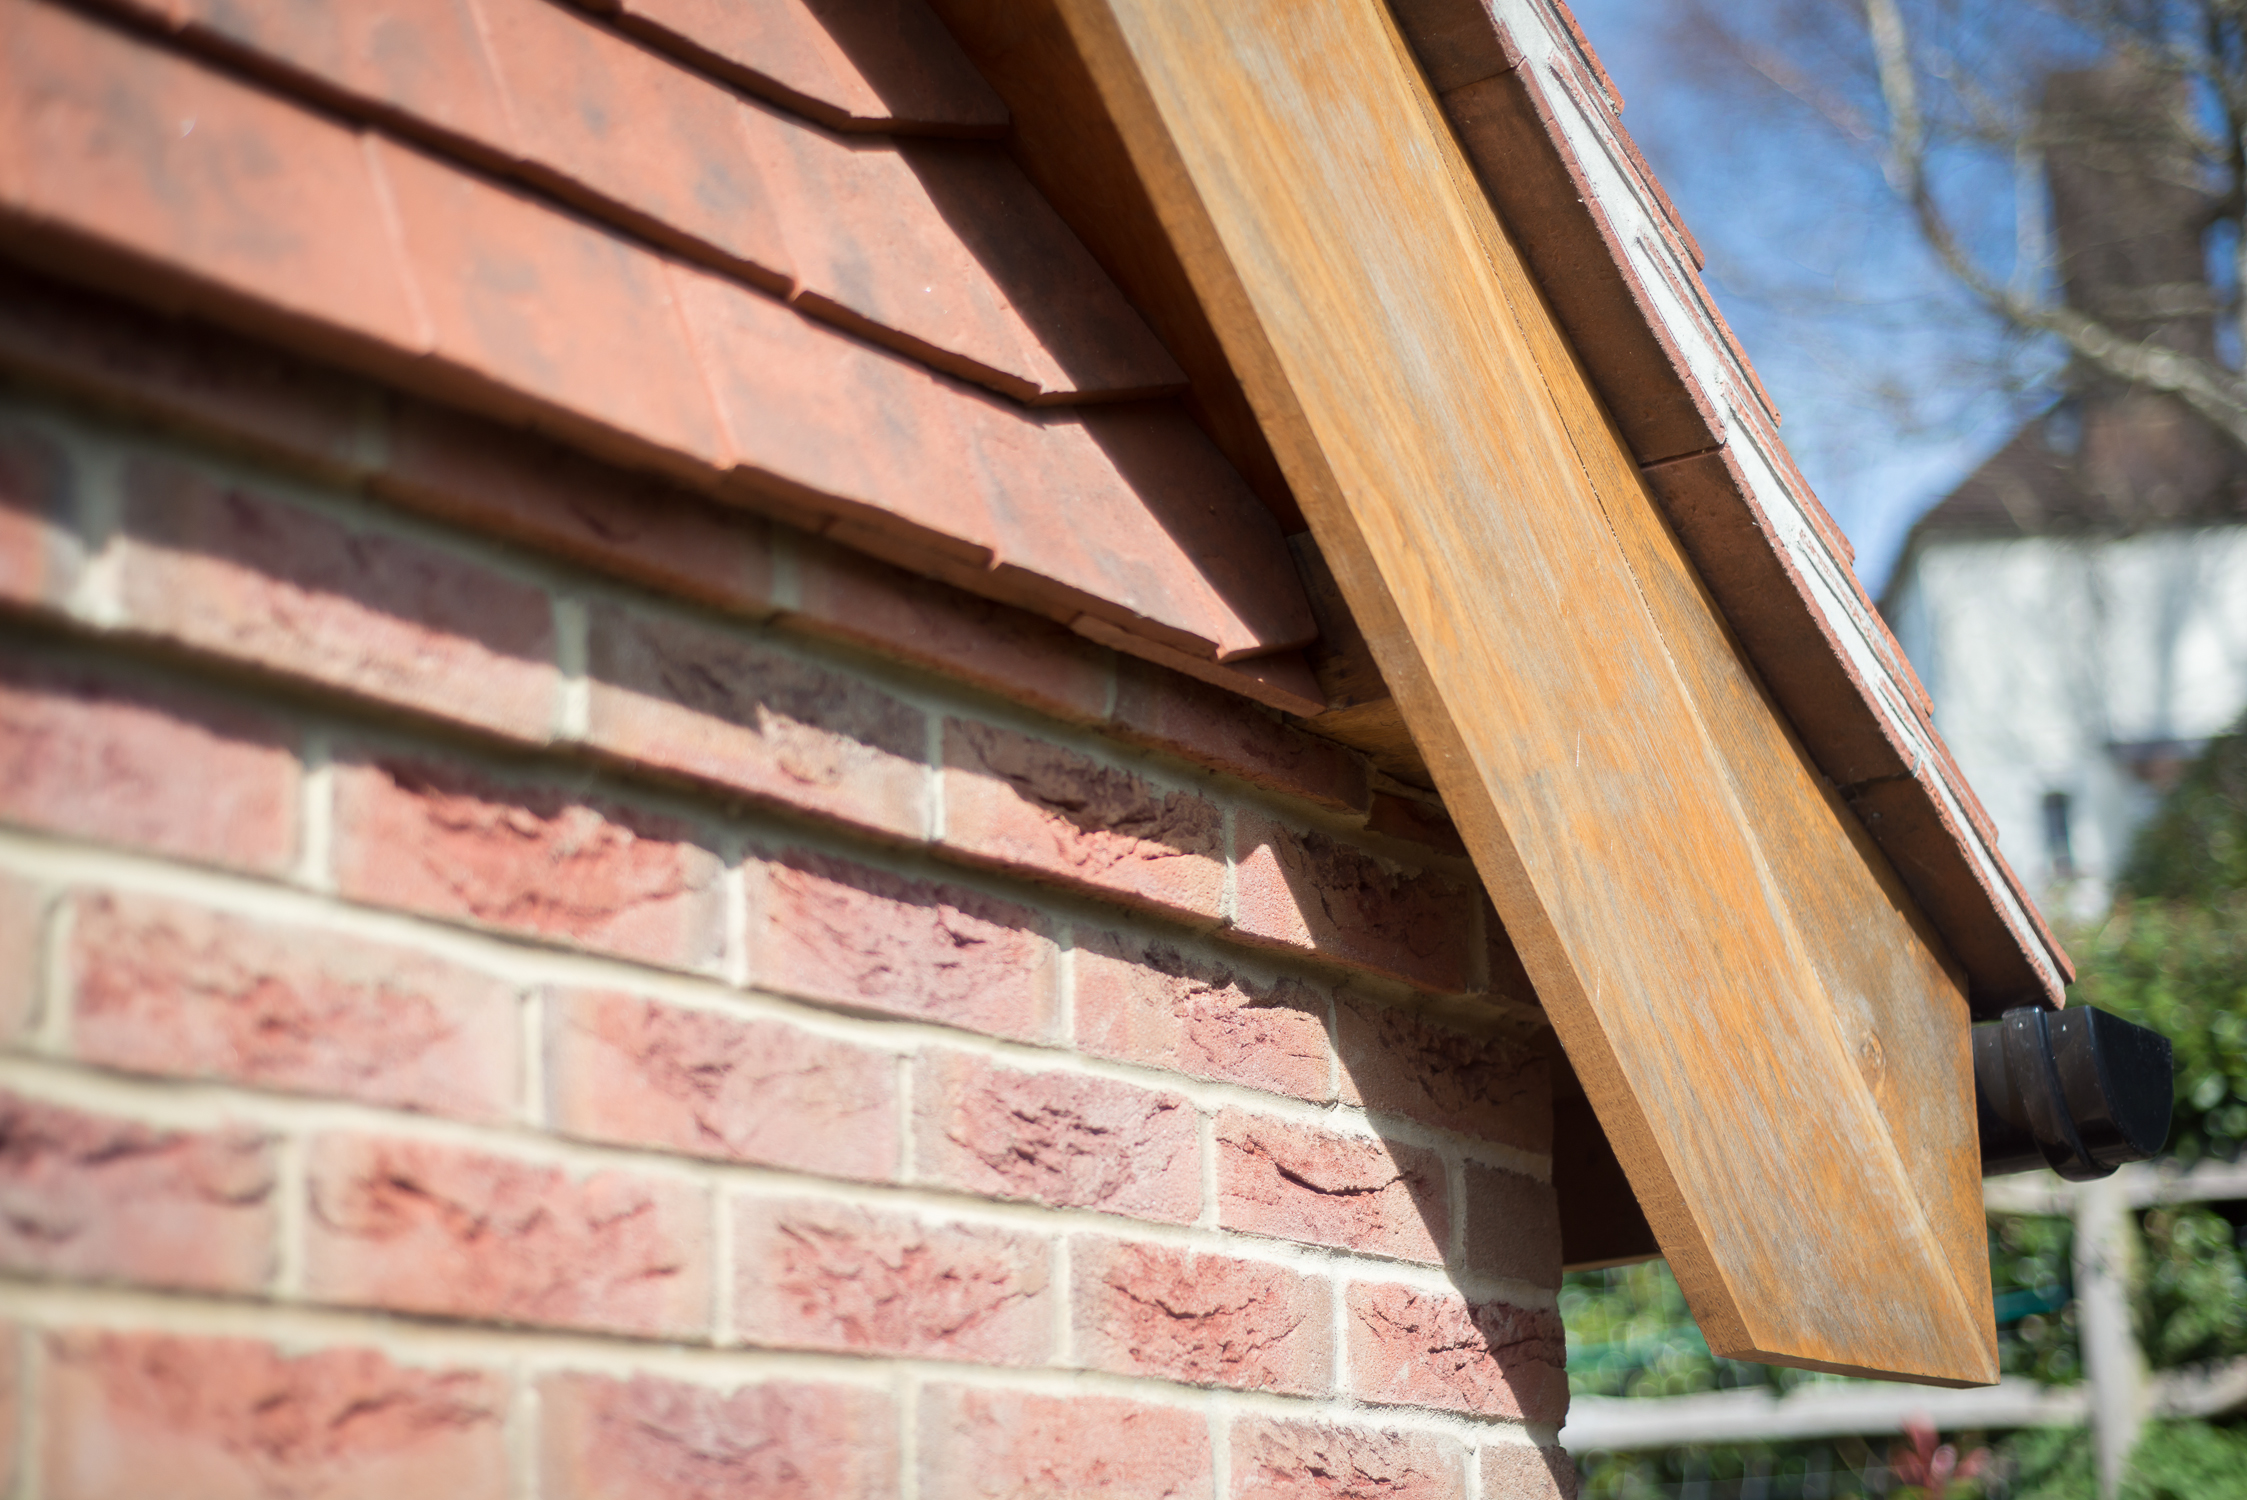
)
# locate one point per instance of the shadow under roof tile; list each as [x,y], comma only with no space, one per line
[890,67]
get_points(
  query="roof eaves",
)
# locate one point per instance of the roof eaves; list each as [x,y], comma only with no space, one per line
[1516,80]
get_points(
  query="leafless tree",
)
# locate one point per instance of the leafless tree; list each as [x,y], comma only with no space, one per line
[2146,100]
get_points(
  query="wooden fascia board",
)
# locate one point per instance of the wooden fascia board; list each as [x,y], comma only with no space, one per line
[1559,661]
[1620,275]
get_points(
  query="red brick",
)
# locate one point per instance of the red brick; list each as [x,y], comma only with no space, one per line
[423,59]
[821,1275]
[149,767]
[166,987]
[1028,805]
[1143,1001]
[1009,1445]
[601,115]
[1513,1226]
[1398,1061]
[1506,979]
[1173,1314]
[1060,1139]
[1514,1472]
[521,486]
[645,1074]
[896,68]
[1414,821]
[1488,1359]
[415,1226]
[250,577]
[650,1439]
[1302,1182]
[843,595]
[728,710]
[143,152]
[834,931]
[23,912]
[533,859]
[95,1198]
[1217,729]
[39,557]
[130,1415]
[548,310]
[1311,893]
[1275,1460]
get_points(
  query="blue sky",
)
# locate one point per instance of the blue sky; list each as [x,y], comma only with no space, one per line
[1890,384]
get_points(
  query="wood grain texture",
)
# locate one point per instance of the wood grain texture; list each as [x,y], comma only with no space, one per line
[1713,939]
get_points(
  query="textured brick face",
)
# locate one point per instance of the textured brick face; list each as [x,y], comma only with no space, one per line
[1149,1002]
[1300,1182]
[256,579]
[1005,1445]
[649,1439]
[831,930]
[822,1275]
[1055,1138]
[419,1227]
[100,1199]
[1055,814]
[1514,1472]
[168,987]
[642,1073]
[1412,1348]
[435,839]
[1309,892]
[1316,1461]
[130,1416]
[707,704]
[1399,1062]
[149,768]
[1160,1311]
[1513,1226]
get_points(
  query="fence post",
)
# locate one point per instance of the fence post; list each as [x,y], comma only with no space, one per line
[2105,1248]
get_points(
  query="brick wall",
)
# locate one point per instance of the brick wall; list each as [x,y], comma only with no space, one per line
[519,984]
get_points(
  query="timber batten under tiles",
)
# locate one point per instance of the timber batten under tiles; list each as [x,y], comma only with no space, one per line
[1064,503]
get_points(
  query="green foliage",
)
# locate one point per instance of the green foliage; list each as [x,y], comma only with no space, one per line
[1630,1334]
[1842,1470]
[2192,1302]
[2031,1278]
[2195,848]
[2188,1461]
[2049,1463]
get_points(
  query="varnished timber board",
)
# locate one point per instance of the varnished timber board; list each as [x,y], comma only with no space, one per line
[1539,626]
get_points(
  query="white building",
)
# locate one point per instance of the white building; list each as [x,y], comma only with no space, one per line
[2078,607]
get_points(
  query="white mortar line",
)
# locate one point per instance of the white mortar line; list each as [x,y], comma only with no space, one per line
[1229,897]
[1205,1135]
[908,1397]
[533,1008]
[1065,985]
[723,1269]
[738,963]
[1061,1280]
[932,750]
[292,1183]
[1220,1449]
[1455,1187]
[573,700]
[99,513]
[315,864]
[49,1029]
[523,1417]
